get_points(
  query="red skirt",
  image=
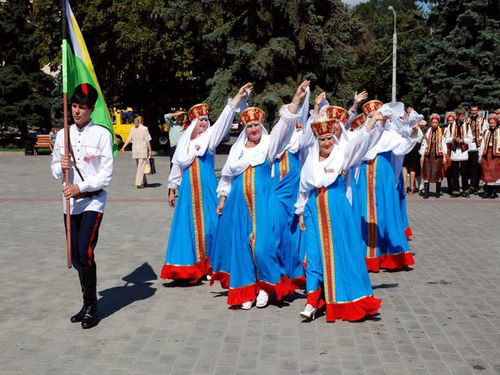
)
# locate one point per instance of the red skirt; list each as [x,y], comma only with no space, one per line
[432,169]
[490,167]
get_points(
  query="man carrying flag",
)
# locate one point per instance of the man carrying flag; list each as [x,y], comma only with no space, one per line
[83,154]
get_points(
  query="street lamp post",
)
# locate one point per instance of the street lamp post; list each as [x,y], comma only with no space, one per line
[394,55]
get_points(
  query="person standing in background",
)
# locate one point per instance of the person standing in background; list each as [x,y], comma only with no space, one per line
[475,123]
[141,149]
[175,123]
[460,137]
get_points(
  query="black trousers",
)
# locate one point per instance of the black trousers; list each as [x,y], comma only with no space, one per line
[84,235]
[474,168]
[459,169]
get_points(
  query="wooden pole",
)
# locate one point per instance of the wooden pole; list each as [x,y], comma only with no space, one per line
[66,146]
[66,179]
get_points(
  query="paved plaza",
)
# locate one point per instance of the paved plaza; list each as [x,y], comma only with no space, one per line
[443,317]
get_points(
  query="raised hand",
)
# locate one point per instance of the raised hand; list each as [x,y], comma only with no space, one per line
[360,97]
[242,93]
[301,90]
[319,98]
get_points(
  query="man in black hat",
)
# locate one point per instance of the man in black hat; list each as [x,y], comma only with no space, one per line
[90,164]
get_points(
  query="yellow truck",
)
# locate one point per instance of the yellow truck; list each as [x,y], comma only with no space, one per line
[123,121]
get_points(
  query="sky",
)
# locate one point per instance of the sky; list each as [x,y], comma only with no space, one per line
[353,2]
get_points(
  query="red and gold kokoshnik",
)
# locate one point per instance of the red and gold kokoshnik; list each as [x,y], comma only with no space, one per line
[326,239]
[198,110]
[197,206]
[371,207]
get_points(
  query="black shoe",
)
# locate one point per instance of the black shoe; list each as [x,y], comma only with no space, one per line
[426,190]
[78,317]
[465,194]
[493,192]
[90,318]
[455,194]
[487,192]
[438,189]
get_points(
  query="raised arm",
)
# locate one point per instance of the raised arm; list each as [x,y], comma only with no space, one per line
[283,130]
[221,127]
[353,111]
[359,145]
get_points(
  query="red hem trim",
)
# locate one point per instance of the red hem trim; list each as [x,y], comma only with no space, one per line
[353,311]
[195,271]
[396,261]
[222,277]
[238,296]
[315,299]
[298,282]
[373,264]
[283,288]
[408,233]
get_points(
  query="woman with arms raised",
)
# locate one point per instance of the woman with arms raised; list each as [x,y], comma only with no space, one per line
[192,173]
[245,258]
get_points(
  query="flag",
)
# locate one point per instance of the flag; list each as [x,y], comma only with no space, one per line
[77,68]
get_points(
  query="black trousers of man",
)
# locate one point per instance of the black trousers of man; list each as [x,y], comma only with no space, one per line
[459,170]
[474,169]
[84,236]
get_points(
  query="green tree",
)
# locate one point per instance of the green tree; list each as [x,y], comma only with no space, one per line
[148,54]
[24,89]
[277,44]
[372,68]
[459,61]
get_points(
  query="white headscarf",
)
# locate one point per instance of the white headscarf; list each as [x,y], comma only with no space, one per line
[184,155]
[240,157]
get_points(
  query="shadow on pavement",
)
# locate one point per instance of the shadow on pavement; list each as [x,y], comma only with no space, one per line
[153,185]
[385,286]
[137,288]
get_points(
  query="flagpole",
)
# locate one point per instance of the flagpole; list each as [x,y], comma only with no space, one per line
[66,146]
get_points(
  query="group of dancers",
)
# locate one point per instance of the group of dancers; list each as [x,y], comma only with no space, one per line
[316,203]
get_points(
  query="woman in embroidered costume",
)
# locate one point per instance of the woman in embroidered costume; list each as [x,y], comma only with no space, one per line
[378,201]
[194,222]
[433,152]
[489,157]
[335,264]
[245,258]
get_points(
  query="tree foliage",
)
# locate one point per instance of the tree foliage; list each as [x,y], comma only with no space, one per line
[24,89]
[459,64]
[157,54]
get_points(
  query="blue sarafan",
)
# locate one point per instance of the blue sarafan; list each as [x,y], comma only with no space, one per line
[286,179]
[376,201]
[244,256]
[194,223]
[335,265]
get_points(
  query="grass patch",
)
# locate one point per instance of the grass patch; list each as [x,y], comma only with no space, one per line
[11,148]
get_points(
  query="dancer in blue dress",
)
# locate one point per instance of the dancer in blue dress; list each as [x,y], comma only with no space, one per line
[336,275]
[194,222]
[286,176]
[377,201]
[245,257]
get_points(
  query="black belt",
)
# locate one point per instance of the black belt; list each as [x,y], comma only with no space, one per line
[88,194]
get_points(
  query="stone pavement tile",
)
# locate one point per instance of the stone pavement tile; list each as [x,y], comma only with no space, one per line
[435,367]
[329,370]
[460,370]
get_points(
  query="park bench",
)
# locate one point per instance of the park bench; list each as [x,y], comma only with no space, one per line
[42,142]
